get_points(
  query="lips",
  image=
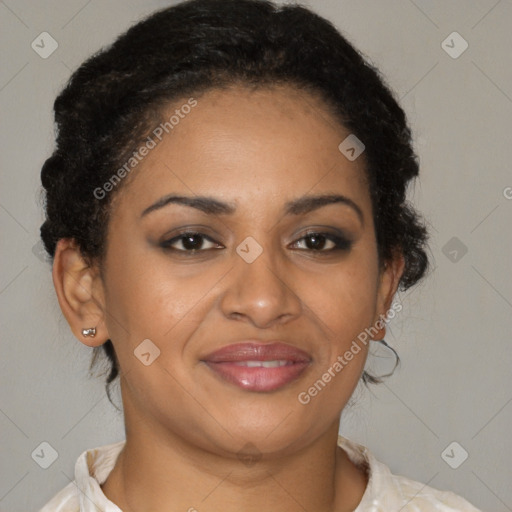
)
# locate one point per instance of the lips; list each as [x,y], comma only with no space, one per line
[254,366]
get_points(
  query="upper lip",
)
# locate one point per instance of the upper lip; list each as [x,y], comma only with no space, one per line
[257,351]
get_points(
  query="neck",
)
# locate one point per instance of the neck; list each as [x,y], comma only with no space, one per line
[160,471]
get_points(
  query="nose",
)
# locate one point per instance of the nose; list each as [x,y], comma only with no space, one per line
[260,293]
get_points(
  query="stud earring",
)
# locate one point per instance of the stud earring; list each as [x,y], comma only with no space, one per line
[89,332]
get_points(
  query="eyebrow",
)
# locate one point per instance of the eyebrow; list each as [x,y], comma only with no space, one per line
[212,206]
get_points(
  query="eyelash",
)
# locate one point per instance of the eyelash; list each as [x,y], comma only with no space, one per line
[340,243]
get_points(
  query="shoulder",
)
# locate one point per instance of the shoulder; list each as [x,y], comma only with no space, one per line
[417,496]
[91,470]
[65,500]
[387,492]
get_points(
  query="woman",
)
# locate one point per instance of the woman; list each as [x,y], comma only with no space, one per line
[226,214]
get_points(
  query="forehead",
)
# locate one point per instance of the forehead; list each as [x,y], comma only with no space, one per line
[240,144]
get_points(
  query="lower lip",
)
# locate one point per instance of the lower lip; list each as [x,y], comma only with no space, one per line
[259,378]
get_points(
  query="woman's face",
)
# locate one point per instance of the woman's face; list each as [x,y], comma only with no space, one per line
[252,273]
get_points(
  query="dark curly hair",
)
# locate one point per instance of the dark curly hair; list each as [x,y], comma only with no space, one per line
[115,98]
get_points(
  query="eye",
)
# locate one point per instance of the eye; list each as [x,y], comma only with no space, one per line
[193,242]
[317,242]
[190,241]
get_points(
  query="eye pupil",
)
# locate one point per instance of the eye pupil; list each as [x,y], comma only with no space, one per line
[318,241]
[188,241]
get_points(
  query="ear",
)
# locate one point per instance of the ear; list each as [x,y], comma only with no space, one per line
[80,293]
[388,285]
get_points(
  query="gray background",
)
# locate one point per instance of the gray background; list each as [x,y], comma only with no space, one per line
[453,334]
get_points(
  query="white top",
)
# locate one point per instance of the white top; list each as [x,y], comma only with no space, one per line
[385,492]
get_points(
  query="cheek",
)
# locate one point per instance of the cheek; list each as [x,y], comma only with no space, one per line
[345,305]
[345,298]
[344,301]
[148,298]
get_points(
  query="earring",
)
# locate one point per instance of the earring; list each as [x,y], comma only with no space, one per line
[89,332]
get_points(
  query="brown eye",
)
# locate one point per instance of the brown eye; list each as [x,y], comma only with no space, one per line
[317,242]
[190,242]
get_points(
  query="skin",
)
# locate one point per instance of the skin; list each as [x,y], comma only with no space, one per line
[184,425]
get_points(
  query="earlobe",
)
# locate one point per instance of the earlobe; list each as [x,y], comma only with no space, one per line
[75,284]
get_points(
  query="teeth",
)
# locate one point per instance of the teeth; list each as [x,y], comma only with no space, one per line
[262,364]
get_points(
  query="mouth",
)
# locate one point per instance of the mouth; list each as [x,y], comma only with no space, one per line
[258,367]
